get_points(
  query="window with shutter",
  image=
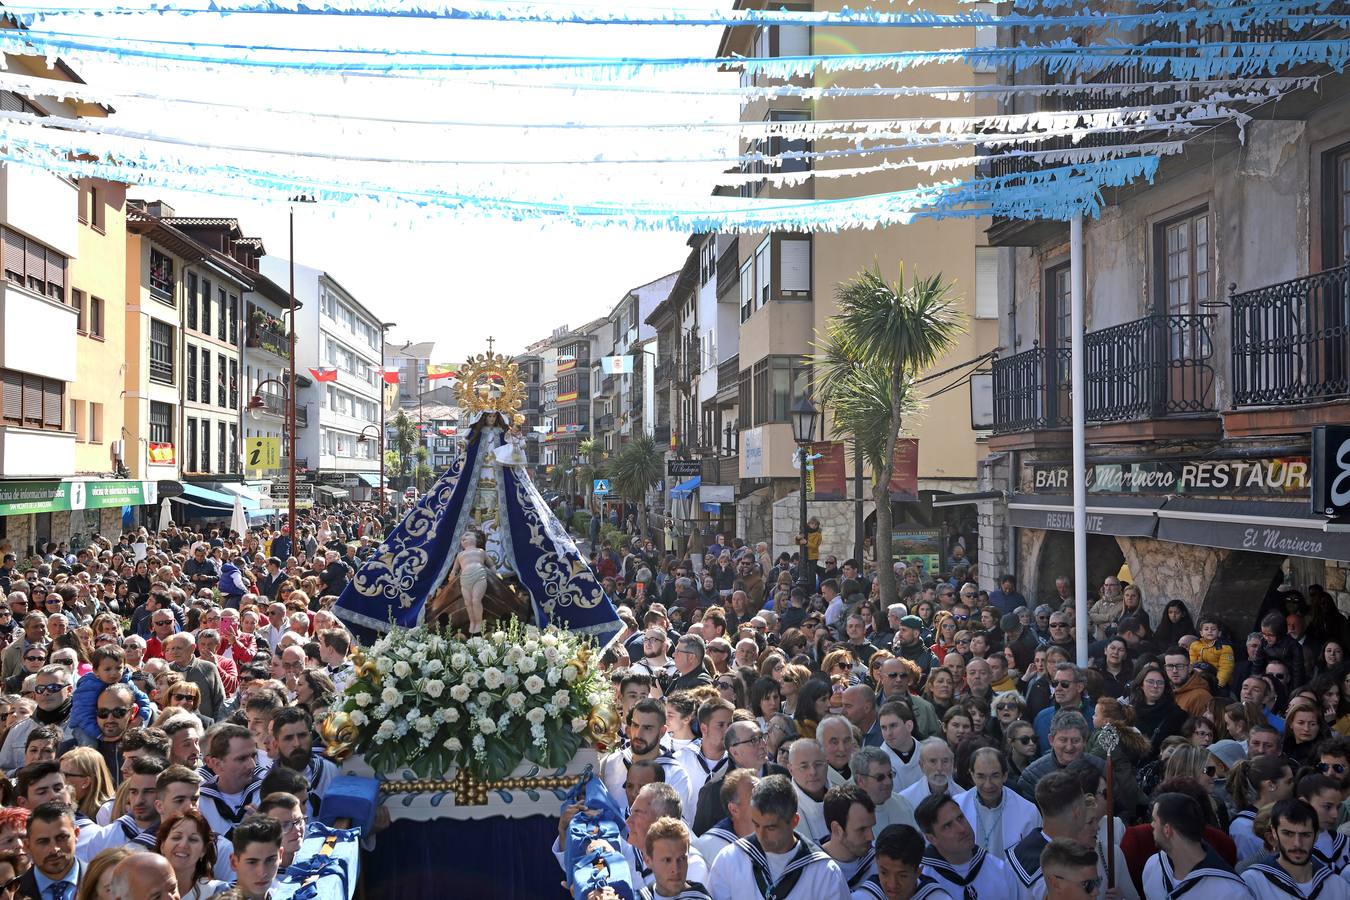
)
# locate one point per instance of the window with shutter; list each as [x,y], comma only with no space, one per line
[77,301]
[794,268]
[35,266]
[11,403]
[192,373]
[96,316]
[32,401]
[192,300]
[56,276]
[13,256]
[53,399]
[986,282]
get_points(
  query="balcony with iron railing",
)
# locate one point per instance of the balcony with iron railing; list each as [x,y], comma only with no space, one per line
[604,422]
[1290,353]
[1157,368]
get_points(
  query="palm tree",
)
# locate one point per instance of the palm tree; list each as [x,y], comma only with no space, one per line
[638,466]
[589,452]
[882,336]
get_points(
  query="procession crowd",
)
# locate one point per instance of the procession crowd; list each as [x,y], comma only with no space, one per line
[161,693]
[787,736]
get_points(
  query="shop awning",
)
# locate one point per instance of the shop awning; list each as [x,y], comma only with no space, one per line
[1282,528]
[333,492]
[965,499]
[195,495]
[369,479]
[685,488]
[252,499]
[1124,516]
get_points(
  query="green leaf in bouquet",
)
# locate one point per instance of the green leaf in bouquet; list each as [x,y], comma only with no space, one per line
[502,759]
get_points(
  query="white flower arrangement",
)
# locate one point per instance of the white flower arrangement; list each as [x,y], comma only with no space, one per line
[486,702]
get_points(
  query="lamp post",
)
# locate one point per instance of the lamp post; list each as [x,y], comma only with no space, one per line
[290,340]
[379,447]
[803,416]
[257,404]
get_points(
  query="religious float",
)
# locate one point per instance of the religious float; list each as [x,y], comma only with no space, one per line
[479,703]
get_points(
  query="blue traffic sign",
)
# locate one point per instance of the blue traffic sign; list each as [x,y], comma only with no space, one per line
[601,486]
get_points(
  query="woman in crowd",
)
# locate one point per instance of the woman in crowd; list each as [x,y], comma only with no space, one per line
[956,725]
[940,690]
[1156,714]
[1302,730]
[96,879]
[791,678]
[185,840]
[1254,784]
[1019,746]
[1199,730]
[1331,656]
[765,700]
[1116,668]
[87,775]
[1132,750]
[813,704]
[944,631]
[1176,623]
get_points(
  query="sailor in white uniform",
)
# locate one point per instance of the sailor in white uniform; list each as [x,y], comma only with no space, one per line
[935,762]
[775,862]
[896,721]
[851,816]
[964,870]
[736,788]
[999,815]
[899,861]
[667,847]
[646,727]
[1184,866]
[1324,796]
[1295,872]
[806,762]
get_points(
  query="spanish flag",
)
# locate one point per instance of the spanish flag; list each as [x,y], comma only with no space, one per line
[441,371]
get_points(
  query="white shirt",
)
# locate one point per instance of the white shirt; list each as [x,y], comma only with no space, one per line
[697,767]
[1270,882]
[906,772]
[895,811]
[1201,883]
[733,878]
[834,610]
[917,792]
[998,830]
[993,880]
[812,814]
[614,772]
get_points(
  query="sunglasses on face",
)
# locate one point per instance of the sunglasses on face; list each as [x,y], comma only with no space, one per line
[1005,706]
[187,697]
[1026,739]
[35,659]
[1338,768]
[48,689]
[1063,684]
[114,712]
[961,618]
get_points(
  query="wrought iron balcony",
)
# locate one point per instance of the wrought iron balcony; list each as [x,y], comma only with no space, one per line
[605,422]
[268,336]
[1031,390]
[1152,368]
[1291,341]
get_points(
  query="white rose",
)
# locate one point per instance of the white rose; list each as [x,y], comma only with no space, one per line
[358,718]
[484,699]
[551,654]
[534,684]
[383,665]
[471,679]
[535,716]
[570,674]
[493,678]
[459,661]
[386,729]
[425,725]
[549,640]
[460,693]
[450,714]
[433,688]
[516,701]
[390,696]
[561,698]
[487,726]
[486,656]
[401,669]
[364,699]
[433,666]
[528,664]
[578,725]
[499,637]
[453,745]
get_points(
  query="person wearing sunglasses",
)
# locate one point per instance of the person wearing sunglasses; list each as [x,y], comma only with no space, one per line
[52,693]
[1069,870]
[34,632]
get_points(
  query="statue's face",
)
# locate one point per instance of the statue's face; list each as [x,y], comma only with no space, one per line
[469,542]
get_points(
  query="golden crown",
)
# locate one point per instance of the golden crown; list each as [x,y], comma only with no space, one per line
[490,382]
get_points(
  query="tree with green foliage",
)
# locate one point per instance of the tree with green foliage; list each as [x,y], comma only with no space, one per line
[405,441]
[873,349]
[638,466]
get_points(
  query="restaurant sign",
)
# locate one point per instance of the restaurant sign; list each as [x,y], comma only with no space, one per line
[1283,476]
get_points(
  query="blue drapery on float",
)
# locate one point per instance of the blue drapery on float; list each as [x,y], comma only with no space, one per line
[395,584]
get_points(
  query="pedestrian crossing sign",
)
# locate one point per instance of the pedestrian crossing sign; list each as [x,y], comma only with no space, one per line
[601,486]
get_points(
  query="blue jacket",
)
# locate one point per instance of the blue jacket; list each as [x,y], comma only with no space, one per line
[231,581]
[1042,723]
[84,703]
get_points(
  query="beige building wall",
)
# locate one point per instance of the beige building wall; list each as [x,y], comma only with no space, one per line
[140,390]
[948,448]
[98,273]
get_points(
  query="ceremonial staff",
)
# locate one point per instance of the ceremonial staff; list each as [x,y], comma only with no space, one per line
[1108,739]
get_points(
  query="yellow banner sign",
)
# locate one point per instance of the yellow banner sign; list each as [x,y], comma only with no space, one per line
[262,453]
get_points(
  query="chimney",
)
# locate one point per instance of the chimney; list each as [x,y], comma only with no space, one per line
[159,209]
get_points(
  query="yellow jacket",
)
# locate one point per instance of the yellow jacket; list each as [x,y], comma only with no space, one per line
[1219,655]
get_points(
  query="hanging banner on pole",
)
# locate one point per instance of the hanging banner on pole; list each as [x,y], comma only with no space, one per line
[905,474]
[827,478]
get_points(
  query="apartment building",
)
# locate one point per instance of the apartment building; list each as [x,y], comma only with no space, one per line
[785,285]
[335,330]
[1215,340]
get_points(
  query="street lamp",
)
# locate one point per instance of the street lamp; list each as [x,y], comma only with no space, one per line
[257,404]
[803,416]
[379,447]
